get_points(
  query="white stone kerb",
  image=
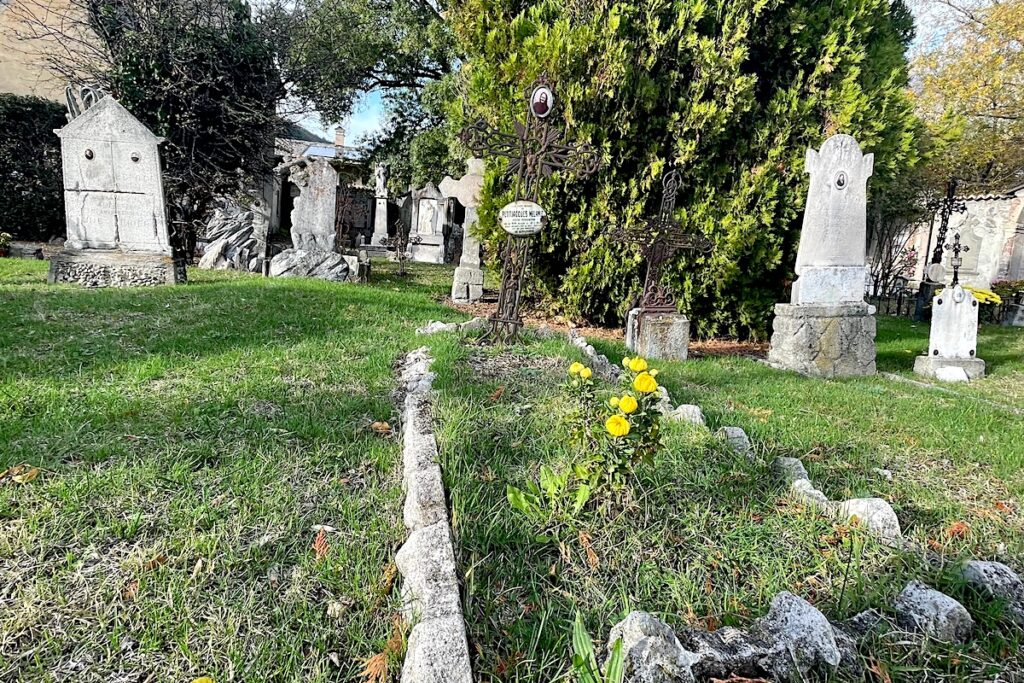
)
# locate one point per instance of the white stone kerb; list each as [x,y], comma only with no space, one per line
[437,648]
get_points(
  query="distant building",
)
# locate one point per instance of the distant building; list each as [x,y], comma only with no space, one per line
[992,228]
[22,69]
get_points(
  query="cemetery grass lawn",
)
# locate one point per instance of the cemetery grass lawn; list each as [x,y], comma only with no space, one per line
[188,440]
[708,538]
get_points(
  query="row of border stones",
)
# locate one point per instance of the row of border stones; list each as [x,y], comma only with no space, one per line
[437,646]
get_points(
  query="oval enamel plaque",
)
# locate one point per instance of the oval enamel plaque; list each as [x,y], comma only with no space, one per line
[522,218]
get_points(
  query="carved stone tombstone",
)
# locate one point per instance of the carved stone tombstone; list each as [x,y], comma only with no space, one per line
[427,224]
[468,283]
[953,343]
[380,215]
[114,200]
[827,330]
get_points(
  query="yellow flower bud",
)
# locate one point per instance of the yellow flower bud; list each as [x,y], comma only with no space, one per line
[617,426]
[645,384]
[625,362]
[614,401]
[637,364]
[576,368]
[628,404]
[585,373]
[653,372]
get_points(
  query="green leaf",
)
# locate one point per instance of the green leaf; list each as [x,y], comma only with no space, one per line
[615,670]
[582,496]
[549,482]
[584,648]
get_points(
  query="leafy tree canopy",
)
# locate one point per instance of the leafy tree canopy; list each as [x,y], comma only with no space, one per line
[729,91]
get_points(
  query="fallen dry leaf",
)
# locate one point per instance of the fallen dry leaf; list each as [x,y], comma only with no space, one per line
[591,554]
[320,545]
[878,669]
[157,561]
[131,590]
[739,679]
[496,396]
[958,530]
[26,477]
[381,427]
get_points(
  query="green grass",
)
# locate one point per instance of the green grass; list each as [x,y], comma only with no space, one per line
[190,438]
[709,538]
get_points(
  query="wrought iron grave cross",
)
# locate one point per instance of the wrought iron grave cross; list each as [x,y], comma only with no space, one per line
[660,240]
[534,152]
[957,261]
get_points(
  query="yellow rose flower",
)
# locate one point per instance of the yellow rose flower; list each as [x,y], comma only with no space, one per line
[637,364]
[628,404]
[576,368]
[617,426]
[614,401]
[586,373]
[645,384]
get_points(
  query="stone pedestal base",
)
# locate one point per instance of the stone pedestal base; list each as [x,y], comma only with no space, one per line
[664,336]
[824,341]
[1014,315]
[429,250]
[950,369]
[113,268]
[467,285]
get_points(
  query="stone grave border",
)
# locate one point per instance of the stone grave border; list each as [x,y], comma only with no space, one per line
[437,649]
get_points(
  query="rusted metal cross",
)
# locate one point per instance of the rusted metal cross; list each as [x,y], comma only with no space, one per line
[660,240]
[956,260]
[535,151]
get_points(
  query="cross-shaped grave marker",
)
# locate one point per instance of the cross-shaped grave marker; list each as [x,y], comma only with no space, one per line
[534,152]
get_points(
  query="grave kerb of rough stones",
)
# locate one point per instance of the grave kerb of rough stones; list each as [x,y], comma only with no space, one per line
[116,215]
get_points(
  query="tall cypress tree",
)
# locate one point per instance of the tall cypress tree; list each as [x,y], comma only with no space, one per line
[730,91]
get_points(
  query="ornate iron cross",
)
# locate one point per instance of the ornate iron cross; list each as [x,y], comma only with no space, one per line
[957,261]
[946,207]
[535,151]
[659,241]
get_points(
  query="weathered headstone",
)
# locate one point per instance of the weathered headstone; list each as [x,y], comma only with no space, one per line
[827,330]
[427,224]
[1014,316]
[380,215]
[314,251]
[114,200]
[953,343]
[468,283]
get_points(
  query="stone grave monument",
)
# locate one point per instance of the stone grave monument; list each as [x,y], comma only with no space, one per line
[428,225]
[953,343]
[827,330]
[314,251]
[380,214]
[468,283]
[114,200]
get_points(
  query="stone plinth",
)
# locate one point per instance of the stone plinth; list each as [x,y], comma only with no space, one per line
[665,336]
[429,250]
[380,222]
[830,285]
[467,285]
[949,369]
[113,268]
[823,340]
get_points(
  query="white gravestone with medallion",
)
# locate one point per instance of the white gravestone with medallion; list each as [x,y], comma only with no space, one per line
[827,329]
[427,223]
[468,282]
[953,342]
[114,200]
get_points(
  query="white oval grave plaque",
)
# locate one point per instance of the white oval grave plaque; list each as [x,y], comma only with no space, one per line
[522,218]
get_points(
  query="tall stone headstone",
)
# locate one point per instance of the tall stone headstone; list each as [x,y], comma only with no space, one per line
[953,343]
[827,329]
[314,251]
[315,210]
[380,214]
[428,225]
[114,201]
[468,283]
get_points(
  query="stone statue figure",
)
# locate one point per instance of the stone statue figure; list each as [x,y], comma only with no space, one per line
[381,175]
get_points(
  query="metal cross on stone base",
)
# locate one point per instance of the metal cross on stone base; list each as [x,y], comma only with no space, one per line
[534,152]
[655,328]
[957,261]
